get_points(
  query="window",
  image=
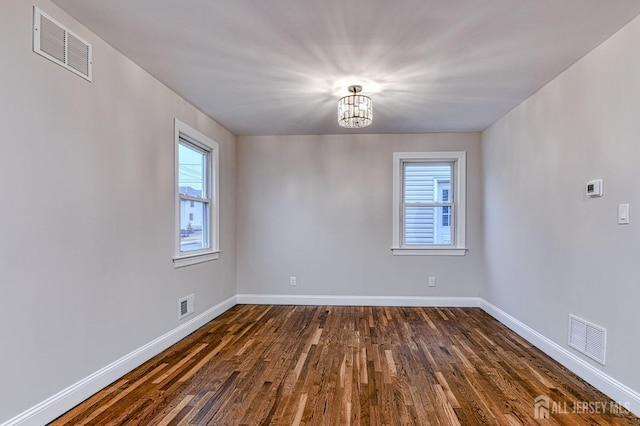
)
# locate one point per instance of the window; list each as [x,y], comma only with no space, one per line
[429,203]
[196,171]
[446,210]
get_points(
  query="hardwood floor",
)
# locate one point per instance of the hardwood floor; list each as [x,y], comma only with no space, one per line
[327,365]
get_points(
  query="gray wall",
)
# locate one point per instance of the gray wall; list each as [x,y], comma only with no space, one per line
[550,250]
[86,222]
[87,213]
[319,208]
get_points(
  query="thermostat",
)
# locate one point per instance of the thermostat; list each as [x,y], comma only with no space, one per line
[594,188]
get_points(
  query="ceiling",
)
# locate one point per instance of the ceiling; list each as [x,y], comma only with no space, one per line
[278,67]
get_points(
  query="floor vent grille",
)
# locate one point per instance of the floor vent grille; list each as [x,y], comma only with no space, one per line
[58,44]
[588,338]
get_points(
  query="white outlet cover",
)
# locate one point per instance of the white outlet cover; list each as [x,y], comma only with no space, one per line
[593,188]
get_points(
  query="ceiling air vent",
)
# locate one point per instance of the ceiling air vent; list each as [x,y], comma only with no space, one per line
[57,43]
[587,338]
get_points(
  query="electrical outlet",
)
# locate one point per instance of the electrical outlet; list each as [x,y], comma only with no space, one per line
[432,281]
[293,281]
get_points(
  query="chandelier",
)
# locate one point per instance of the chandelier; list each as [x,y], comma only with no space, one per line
[355,111]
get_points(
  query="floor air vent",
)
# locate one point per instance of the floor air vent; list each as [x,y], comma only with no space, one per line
[587,338]
[186,306]
[58,44]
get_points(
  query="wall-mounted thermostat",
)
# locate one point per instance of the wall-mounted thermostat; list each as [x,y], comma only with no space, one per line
[594,188]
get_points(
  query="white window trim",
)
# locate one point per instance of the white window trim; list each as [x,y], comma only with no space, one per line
[181,259]
[458,248]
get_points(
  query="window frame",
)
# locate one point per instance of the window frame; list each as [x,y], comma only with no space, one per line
[457,203]
[191,136]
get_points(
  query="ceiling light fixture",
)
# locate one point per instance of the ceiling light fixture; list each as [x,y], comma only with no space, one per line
[355,111]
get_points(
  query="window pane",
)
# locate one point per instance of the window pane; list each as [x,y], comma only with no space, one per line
[446,216]
[194,232]
[192,174]
[422,180]
[427,225]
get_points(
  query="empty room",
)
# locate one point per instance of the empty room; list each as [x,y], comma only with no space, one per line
[301,212]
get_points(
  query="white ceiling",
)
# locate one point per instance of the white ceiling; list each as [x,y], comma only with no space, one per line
[263,67]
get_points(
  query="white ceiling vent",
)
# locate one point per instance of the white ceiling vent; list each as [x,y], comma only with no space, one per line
[588,338]
[57,43]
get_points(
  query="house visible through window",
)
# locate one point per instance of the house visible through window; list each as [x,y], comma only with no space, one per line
[196,197]
[429,192]
[424,203]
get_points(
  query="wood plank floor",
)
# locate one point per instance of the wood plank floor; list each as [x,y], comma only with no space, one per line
[327,365]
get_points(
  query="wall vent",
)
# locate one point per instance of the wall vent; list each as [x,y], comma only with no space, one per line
[588,338]
[57,43]
[186,306]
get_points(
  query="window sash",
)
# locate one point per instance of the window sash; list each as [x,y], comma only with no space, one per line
[450,203]
[192,199]
[202,241]
[206,168]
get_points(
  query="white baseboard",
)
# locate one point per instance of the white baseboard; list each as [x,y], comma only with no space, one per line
[606,384]
[288,299]
[68,398]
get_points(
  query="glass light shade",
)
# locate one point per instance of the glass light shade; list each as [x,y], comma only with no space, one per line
[355,111]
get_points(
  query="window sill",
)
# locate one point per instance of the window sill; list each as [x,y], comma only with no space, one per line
[187,260]
[428,251]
